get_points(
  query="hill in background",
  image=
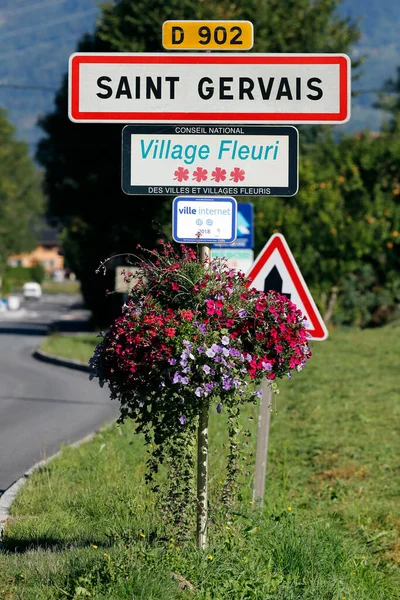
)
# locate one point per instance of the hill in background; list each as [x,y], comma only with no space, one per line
[380,42]
[37,38]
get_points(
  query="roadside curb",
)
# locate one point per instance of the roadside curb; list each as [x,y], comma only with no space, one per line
[10,494]
[61,362]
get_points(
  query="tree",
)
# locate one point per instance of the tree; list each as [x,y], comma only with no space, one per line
[21,197]
[292,26]
[389,97]
[83,162]
[343,225]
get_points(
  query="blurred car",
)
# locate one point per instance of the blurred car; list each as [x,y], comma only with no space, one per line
[32,290]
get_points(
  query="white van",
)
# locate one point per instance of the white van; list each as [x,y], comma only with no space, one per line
[32,290]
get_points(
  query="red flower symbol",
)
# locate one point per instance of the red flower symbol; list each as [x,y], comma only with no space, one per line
[200,174]
[237,174]
[219,174]
[181,174]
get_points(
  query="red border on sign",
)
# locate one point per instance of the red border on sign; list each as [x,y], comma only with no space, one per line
[277,242]
[247,117]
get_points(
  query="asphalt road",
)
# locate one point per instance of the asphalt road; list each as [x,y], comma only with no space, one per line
[42,406]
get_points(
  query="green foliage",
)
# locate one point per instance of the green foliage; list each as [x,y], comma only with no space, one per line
[389,98]
[345,219]
[38,273]
[15,277]
[309,26]
[21,198]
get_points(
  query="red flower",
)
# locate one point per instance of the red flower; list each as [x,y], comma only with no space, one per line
[175,286]
[210,307]
[187,315]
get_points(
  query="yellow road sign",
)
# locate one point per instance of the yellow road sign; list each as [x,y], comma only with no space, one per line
[207,35]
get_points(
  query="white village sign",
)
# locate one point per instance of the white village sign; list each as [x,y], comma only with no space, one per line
[209,88]
[276,269]
[210,160]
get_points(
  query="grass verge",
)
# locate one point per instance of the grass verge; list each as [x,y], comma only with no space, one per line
[86,526]
[73,347]
[61,287]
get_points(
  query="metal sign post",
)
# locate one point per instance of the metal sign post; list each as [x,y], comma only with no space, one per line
[264,418]
[202,453]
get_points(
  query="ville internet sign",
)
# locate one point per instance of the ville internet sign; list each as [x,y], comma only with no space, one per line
[204,220]
[209,88]
[210,160]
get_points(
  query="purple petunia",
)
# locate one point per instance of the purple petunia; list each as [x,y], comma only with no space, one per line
[206,369]
[182,420]
[266,366]
[219,408]
[199,392]
[242,313]
[227,383]
[210,353]
[225,340]
[177,377]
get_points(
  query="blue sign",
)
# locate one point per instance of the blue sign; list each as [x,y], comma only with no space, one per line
[245,227]
[204,220]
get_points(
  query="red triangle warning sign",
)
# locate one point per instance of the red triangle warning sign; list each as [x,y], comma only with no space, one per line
[276,269]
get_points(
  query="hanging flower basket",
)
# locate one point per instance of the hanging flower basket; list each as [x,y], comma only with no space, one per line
[194,333]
